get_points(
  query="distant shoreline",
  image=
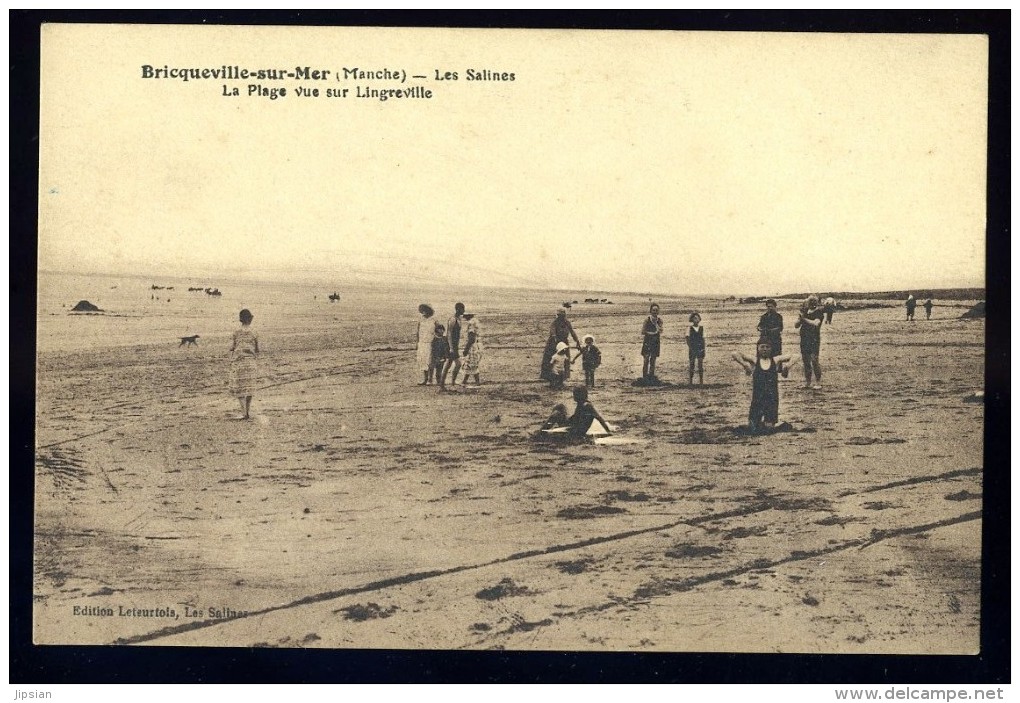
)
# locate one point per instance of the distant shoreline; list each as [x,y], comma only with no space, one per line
[960,293]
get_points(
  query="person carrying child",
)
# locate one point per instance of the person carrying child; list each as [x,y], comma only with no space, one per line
[559,366]
[809,322]
[581,421]
[764,372]
[591,359]
[695,349]
[440,350]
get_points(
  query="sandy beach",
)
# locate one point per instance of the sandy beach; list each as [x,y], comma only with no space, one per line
[360,510]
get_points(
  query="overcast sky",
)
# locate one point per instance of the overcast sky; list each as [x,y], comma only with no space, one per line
[668,162]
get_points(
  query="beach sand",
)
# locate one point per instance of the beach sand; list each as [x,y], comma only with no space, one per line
[358,509]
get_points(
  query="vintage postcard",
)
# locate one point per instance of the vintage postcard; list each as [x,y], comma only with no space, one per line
[510,339]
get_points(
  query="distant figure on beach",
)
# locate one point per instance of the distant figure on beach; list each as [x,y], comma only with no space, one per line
[651,344]
[695,349]
[911,306]
[440,352]
[764,372]
[472,349]
[579,423]
[453,339]
[426,331]
[928,305]
[829,306]
[560,331]
[243,367]
[810,324]
[591,359]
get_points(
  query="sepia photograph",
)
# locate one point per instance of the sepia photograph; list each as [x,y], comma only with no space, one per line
[358,338]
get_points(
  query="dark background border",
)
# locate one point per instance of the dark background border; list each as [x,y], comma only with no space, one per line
[78,664]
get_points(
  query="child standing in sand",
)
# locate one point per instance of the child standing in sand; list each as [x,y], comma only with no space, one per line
[440,350]
[651,346]
[473,349]
[559,366]
[243,367]
[764,372]
[581,421]
[695,349]
[591,359]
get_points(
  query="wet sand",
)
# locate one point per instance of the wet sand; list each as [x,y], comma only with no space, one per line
[359,509]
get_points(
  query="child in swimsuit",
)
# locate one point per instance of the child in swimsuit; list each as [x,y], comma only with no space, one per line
[581,421]
[591,359]
[764,372]
[695,349]
[439,353]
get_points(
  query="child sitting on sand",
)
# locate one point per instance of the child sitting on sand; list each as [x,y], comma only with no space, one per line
[559,369]
[695,349]
[440,351]
[764,372]
[579,423]
[591,359]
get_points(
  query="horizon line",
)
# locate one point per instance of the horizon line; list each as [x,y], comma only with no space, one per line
[252,278]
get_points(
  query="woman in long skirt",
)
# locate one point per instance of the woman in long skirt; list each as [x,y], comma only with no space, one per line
[426,331]
[244,374]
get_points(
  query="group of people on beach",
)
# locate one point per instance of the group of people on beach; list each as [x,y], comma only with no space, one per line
[651,347]
[444,352]
[439,347]
[912,305]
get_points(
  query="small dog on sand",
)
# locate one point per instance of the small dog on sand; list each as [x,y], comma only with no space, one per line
[189,341]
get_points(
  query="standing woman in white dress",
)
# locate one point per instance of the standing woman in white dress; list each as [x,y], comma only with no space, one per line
[244,373]
[426,331]
[473,349]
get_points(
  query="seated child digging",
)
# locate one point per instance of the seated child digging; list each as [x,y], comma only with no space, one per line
[579,423]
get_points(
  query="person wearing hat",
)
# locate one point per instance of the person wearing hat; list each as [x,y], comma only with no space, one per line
[928,305]
[830,308]
[559,366]
[810,325]
[560,331]
[426,332]
[911,306]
